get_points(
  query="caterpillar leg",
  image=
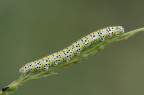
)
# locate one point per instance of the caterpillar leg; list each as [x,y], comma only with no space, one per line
[46,68]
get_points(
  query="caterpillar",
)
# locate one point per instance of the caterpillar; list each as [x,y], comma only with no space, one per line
[73,50]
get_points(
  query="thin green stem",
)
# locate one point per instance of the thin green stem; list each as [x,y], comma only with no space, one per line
[86,53]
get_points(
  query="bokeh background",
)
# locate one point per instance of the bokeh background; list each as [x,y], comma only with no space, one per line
[31,29]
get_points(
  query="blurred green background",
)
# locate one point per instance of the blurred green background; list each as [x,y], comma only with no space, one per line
[31,29]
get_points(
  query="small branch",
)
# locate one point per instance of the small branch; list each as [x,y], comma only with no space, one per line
[86,53]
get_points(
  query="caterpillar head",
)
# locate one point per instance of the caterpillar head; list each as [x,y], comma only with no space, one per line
[22,70]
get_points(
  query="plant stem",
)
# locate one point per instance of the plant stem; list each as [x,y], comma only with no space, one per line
[86,53]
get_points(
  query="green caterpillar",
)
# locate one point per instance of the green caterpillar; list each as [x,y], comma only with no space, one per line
[72,50]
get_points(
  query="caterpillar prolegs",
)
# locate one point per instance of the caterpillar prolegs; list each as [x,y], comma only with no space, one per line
[73,50]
